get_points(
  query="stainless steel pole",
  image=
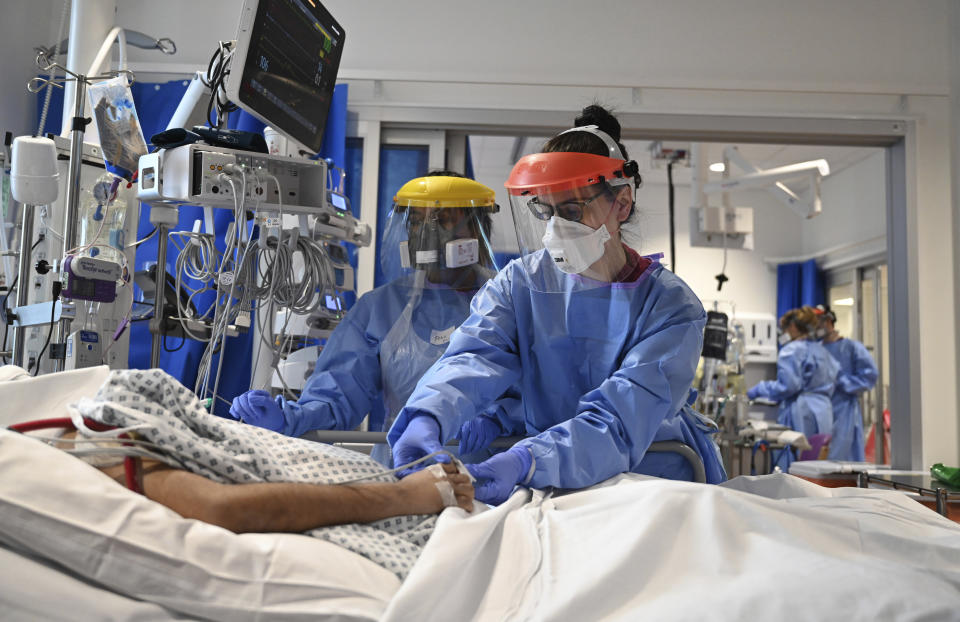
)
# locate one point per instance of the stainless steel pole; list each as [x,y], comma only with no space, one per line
[71,216]
[72,212]
[23,280]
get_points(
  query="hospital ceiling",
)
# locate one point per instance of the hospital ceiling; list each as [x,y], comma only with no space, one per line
[495,152]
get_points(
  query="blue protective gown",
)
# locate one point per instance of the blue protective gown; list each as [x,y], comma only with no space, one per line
[858,373]
[603,372]
[372,360]
[806,374]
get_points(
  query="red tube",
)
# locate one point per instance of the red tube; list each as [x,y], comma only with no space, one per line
[129,462]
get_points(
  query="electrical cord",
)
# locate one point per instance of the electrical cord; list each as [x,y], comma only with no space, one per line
[43,221]
[269,311]
[217,71]
[142,240]
[183,340]
[454,459]
[6,327]
[287,270]
[224,313]
[673,232]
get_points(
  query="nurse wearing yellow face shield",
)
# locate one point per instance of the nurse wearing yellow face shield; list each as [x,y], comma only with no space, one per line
[435,251]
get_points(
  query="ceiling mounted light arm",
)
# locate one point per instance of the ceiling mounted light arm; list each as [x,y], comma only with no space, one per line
[780,190]
[807,207]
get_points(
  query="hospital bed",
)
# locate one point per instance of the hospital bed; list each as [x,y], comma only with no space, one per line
[367,439]
[75,545]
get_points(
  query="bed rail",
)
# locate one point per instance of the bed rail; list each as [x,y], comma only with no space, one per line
[342,436]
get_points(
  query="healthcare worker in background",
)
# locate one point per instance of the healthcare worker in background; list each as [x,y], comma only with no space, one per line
[436,251]
[806,374]
[601,343]
[858,373]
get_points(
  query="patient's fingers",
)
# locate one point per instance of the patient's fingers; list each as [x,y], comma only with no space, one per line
[463,490]
[465,502]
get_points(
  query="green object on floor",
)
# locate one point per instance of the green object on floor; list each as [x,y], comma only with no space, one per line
[947,475]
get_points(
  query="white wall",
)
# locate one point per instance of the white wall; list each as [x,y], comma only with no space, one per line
[935,277]
[872,46]
[753,284]
[854,213]
[23,25]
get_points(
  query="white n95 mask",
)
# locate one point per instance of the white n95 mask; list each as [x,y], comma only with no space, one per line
[784,339]
[574,246]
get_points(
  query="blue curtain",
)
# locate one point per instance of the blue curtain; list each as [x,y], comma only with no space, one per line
[353,169]
[799,284]
[398,165]
[156,103]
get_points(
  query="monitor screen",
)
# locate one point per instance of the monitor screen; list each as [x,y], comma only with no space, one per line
[290,56]
[338,201]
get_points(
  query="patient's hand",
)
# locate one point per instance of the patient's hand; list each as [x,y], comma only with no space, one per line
[420,493]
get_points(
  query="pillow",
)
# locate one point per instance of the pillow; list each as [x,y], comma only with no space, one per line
[57,507]
[26,398]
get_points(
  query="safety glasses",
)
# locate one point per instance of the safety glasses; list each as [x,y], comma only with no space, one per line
[568,210]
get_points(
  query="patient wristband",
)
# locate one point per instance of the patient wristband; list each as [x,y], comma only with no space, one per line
[443,485]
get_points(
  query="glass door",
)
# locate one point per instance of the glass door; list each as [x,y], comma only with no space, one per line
[858,297]
[874,334]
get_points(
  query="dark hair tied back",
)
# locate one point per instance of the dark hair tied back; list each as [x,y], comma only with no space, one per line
[584,142]
[598,115]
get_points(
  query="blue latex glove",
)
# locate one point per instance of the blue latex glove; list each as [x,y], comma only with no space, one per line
[478,433]
[497,476]
[422,437]
[753,393]
[259,409]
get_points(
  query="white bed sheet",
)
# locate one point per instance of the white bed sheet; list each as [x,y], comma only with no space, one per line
[767,548]
[34,589]
[771,547]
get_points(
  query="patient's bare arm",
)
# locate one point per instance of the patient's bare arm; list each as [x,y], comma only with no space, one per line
[269,507]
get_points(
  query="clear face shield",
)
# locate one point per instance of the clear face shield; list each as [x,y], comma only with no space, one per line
[450,245]
[568,207]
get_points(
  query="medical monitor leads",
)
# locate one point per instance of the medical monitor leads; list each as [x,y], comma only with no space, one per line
[285,66]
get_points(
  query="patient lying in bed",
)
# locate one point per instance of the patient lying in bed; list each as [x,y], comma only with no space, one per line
[294,507]
[248,479]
